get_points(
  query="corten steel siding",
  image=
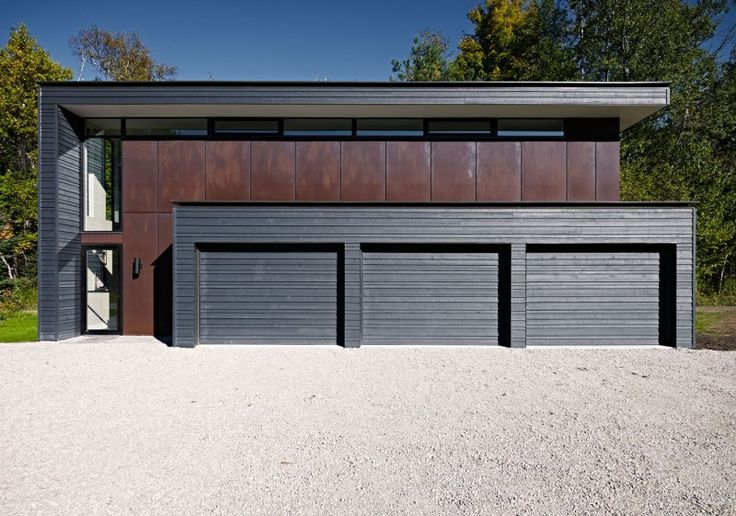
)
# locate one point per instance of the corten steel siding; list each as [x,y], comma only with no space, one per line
[394,171]
[353,226]
[59,265]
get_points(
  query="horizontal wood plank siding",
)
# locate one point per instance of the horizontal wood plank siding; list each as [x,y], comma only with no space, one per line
[68,227]
[268,297]
[47,220]
[353,225]
[592,298]
[430,297]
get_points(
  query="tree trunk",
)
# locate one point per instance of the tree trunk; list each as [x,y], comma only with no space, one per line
[11,275]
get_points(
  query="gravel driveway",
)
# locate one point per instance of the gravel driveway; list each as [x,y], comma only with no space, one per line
[129,425]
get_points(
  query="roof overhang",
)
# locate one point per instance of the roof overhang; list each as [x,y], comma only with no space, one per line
[629,102]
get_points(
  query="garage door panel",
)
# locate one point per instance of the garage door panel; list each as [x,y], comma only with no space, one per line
[265,297]
[415,296]
[600,341]
[595,297]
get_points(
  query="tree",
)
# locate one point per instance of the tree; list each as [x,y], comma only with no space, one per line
[118,56]
[675,155]
[686,152]
[23,63]
[516,40]
[642,39]
[427,59]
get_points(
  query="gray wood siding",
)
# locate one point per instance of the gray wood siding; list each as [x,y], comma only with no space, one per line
[59,265]
[267,297]
[353,225]
[47,259]
[436,297]
[592,298]
[68,227]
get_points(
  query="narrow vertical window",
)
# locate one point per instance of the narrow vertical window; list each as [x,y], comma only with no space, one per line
[101,169]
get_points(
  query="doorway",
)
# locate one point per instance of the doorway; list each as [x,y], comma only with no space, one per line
[102,312]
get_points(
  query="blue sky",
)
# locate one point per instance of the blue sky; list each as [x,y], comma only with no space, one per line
[252,39]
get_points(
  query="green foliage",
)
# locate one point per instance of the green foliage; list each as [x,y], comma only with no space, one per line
[427,60]
[687,152]
[22,65]
[21,328]
[516,40]
[118,56]
[17,296]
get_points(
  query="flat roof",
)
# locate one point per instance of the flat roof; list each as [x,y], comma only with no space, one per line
[628,101]
[459,204]
[347,84]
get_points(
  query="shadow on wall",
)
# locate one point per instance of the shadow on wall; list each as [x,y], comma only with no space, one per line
[162,296]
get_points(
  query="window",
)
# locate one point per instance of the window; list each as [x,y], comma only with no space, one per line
[102,289]
[248,127]
[536,127]
[318,127]
[459,127]
[101,169]
[390,127]
[166,127]
[102,127]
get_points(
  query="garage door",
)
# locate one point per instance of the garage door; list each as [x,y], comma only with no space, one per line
[424,296]
[268,296]
[592,298]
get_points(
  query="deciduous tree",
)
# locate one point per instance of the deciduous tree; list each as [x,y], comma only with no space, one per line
[427,61]
[118,56]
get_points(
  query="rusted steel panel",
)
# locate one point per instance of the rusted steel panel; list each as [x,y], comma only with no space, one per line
[272,171]
[181,174]
[581,171]
[543,171]
[228,171]
[101,238]
[453,171]
[363,167]
[318,171]
[140,176]
[499,171]
[607,175]
[140,240]
[408,171]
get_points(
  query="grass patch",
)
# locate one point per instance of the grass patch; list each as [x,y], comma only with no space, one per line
[19,328]
[706,321]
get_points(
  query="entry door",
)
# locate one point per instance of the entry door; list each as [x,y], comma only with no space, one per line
[102,290]
[268,296]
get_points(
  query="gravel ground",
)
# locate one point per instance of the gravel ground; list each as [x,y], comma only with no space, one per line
[129,425]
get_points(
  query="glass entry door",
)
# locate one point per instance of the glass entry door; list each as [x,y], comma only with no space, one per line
[102,290]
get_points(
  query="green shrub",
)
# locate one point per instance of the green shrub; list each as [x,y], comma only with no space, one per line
[17,297]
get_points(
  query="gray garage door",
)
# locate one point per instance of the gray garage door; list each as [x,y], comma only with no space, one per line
[592,298]
[430,297]
[268,297]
